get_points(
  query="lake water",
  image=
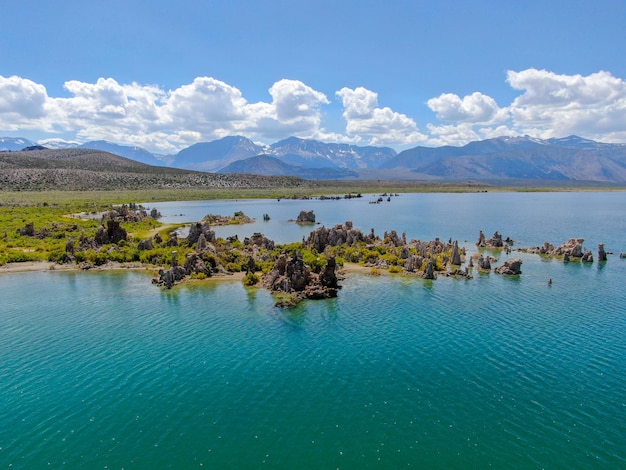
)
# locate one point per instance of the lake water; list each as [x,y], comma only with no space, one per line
[104,370]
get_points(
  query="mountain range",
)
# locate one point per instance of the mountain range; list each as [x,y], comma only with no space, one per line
[500,159]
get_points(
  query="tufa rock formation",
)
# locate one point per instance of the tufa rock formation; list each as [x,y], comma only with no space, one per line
[322,237]
[510,268]
[493,242]
[306,217]
[292,276]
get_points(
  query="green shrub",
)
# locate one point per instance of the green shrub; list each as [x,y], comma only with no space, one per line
[233,267]
[21,257]
[250,279]
[314,261]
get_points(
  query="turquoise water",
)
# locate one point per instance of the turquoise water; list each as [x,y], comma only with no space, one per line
[104,370]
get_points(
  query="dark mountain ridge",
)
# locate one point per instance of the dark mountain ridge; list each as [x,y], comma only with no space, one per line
[88,169]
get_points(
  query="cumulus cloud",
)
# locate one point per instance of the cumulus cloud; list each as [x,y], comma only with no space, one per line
[553,105]
[380,126]
[161,120]
[475,108]
[550,105]
[22,103]
[464,133]
[295,110]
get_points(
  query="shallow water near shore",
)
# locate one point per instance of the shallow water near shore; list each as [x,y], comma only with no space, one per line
[105,370]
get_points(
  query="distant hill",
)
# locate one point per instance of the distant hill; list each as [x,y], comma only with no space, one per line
[211,156]
[272,166]
[12,144]
[502,159]
[314,154]
[509,158]
[302,153]
[87,169]
[132,152]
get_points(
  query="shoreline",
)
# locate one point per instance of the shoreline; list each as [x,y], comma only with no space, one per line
[44,266]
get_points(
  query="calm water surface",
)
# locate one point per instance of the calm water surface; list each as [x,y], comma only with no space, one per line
[104,370]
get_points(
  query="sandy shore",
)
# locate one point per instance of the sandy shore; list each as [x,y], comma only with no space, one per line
[32,266]
[40,266]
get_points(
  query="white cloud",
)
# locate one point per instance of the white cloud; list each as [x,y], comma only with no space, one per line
[550,105]
[205,105]
[22,104]
[161,120]
[448,134]
[295,110]
[379,126]
[164,121]
[293,100]
[555,105]
[475,108]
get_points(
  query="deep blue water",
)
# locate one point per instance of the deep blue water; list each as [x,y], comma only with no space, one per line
[104,370]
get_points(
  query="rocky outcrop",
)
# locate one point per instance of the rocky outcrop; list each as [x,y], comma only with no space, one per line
[306,217]
[429,272]
[291,275]
[413,263]
[322,237]
[145,244]
[484,263]
[259,240]
[28,230]
[132,212]
[601,252]
[393,238]
[510,268]
[194,264]
[572,248]
[113,233]
[168,277]
[237,218]
[198,229]
[455,258]
[494,242]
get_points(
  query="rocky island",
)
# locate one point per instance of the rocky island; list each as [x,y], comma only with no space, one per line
[130,236]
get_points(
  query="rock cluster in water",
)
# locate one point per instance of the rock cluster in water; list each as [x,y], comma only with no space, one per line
[571,249]
[287,271]
[292,276]
[510,267]
[306,217]
[392,250]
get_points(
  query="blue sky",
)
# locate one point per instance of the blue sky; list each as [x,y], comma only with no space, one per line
[163,75]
